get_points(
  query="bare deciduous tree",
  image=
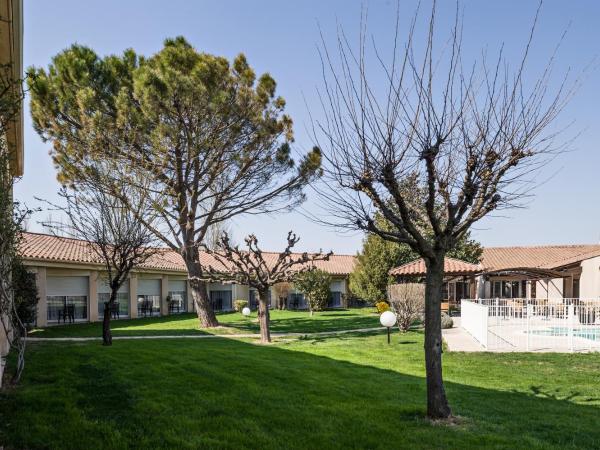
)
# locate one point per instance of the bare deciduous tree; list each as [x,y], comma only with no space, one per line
[111,231]
[472,136]
[408,303]
[252,267]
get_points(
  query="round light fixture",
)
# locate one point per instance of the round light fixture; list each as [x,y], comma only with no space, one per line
[388,319]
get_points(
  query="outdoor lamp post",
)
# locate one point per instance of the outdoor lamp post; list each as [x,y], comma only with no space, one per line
[245,311]
[388,320]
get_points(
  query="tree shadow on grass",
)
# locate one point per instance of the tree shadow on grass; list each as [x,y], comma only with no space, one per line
[230,394]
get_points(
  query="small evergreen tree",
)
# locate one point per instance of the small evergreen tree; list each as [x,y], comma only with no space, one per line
[315,284]
[25,295]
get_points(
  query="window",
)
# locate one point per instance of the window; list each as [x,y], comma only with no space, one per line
[514,292]
[221,300]
[462,290]
[67,308]
[178,296]
[121,308]
[178,303]
[575,287]
[253,299]
[497,289]
[148,305]
[335,301]
[296,301]
[507,289]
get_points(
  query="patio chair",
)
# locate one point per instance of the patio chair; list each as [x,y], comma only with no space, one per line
[70,313]
[114,310]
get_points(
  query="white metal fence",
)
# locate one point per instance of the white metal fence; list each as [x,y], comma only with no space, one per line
[570,324]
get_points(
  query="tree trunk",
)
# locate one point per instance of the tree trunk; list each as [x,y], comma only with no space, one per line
[437,403]
[263,317]
[206,314]
[106,333]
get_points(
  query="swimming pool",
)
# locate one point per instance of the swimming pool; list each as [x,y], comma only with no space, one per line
[592,334]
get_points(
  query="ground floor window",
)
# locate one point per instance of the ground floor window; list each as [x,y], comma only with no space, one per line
[509,289]
[335,300]
[253,298]
[119,309]
[148,305]
[220,300]
[178,303]
[67,308]
[296,301]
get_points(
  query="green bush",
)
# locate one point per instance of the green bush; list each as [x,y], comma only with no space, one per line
[238,305]
[25,292]
[447,321]
[382,306]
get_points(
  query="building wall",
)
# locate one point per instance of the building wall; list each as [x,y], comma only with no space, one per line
[94,283]
[549,289]
[589,281]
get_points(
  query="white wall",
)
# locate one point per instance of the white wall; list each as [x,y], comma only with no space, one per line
[474,319]
[550,288]
[589,282]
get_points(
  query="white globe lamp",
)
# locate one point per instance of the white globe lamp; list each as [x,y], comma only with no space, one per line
[246,311]
[388,320]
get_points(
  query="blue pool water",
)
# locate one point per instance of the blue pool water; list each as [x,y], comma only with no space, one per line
[592,334]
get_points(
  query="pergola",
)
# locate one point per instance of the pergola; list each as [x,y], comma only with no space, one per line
[454,269]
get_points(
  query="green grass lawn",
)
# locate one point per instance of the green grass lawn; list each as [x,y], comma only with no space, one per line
[232,323]
[347,391]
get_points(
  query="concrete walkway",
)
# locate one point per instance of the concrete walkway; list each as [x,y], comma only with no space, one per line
[205,336]
[458,340]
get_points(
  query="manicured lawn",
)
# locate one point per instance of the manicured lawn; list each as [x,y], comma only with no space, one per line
[232,323]
[334,392]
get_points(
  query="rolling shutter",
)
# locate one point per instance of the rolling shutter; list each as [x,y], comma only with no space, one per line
[68,286]
[104,289]
[148,287]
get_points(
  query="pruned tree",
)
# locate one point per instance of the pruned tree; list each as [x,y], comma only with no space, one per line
[316,287]
[212,138]
[472,136]
[407,300]
[111,231]
[250,266]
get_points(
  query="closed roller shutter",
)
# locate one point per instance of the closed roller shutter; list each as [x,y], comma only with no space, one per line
[148,287]
[104,289]
[177,285]
[72,286]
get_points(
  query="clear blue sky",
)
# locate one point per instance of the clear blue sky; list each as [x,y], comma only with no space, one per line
[281,37]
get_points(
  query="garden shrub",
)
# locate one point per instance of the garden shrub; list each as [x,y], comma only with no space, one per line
[315,286]
[408,302]
[238,305]
[382,307]
[447,321]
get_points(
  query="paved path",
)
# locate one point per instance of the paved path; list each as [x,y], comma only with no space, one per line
[205,336]
[458,340]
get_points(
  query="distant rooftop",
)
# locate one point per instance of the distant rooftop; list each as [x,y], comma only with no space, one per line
[49,248]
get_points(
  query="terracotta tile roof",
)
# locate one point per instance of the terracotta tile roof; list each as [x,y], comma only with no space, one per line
[539,257]
[44,247]
[451,267]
